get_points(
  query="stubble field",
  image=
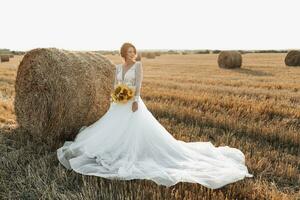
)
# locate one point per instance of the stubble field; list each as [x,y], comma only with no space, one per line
[255,109]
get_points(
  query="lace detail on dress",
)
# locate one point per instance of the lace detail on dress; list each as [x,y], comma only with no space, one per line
[115,80]
[138,80]
[133,78]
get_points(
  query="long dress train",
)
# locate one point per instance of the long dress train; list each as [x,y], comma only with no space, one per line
[127,145]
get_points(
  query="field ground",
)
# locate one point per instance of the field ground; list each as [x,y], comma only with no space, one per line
[255,109]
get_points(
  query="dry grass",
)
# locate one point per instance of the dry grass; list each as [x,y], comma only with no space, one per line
[255,109]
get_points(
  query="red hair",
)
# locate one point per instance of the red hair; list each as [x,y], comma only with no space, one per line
[124,49]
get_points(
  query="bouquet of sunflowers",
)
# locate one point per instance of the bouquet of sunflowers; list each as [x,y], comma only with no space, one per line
[122,93]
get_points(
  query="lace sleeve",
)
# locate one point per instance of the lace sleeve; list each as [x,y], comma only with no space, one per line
[115,79]
[114,83]
[138,80]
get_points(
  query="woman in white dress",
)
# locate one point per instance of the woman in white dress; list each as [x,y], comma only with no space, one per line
[127,142]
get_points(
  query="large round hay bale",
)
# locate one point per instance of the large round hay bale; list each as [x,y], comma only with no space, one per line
[59,91]
[292,58]
[4,58]
[230,59]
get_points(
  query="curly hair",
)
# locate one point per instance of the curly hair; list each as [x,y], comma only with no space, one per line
[125,47]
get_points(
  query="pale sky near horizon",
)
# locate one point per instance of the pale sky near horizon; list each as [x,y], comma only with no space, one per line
[164,24]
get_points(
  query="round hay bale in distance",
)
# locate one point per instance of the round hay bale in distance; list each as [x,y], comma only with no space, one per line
[229,59]
[138,57]
[59,91]
[4,58]
[150,55]
[292,58]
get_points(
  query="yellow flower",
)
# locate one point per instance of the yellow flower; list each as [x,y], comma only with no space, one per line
[122,93]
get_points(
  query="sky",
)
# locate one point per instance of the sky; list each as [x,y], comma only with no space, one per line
[156,24]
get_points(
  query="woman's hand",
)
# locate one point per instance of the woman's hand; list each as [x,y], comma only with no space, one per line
[134,106]
[132,58]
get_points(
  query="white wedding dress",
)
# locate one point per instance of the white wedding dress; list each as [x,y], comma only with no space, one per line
[126,145]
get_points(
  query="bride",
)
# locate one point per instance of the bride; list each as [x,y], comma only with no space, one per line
[127,142]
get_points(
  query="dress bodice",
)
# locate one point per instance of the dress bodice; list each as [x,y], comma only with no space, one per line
[132,78]
[129,78]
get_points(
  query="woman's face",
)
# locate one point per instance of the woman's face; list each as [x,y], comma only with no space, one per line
[130,54]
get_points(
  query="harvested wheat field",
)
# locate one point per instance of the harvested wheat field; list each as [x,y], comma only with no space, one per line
[255,108]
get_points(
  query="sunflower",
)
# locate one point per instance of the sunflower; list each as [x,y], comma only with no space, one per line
[122,93]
